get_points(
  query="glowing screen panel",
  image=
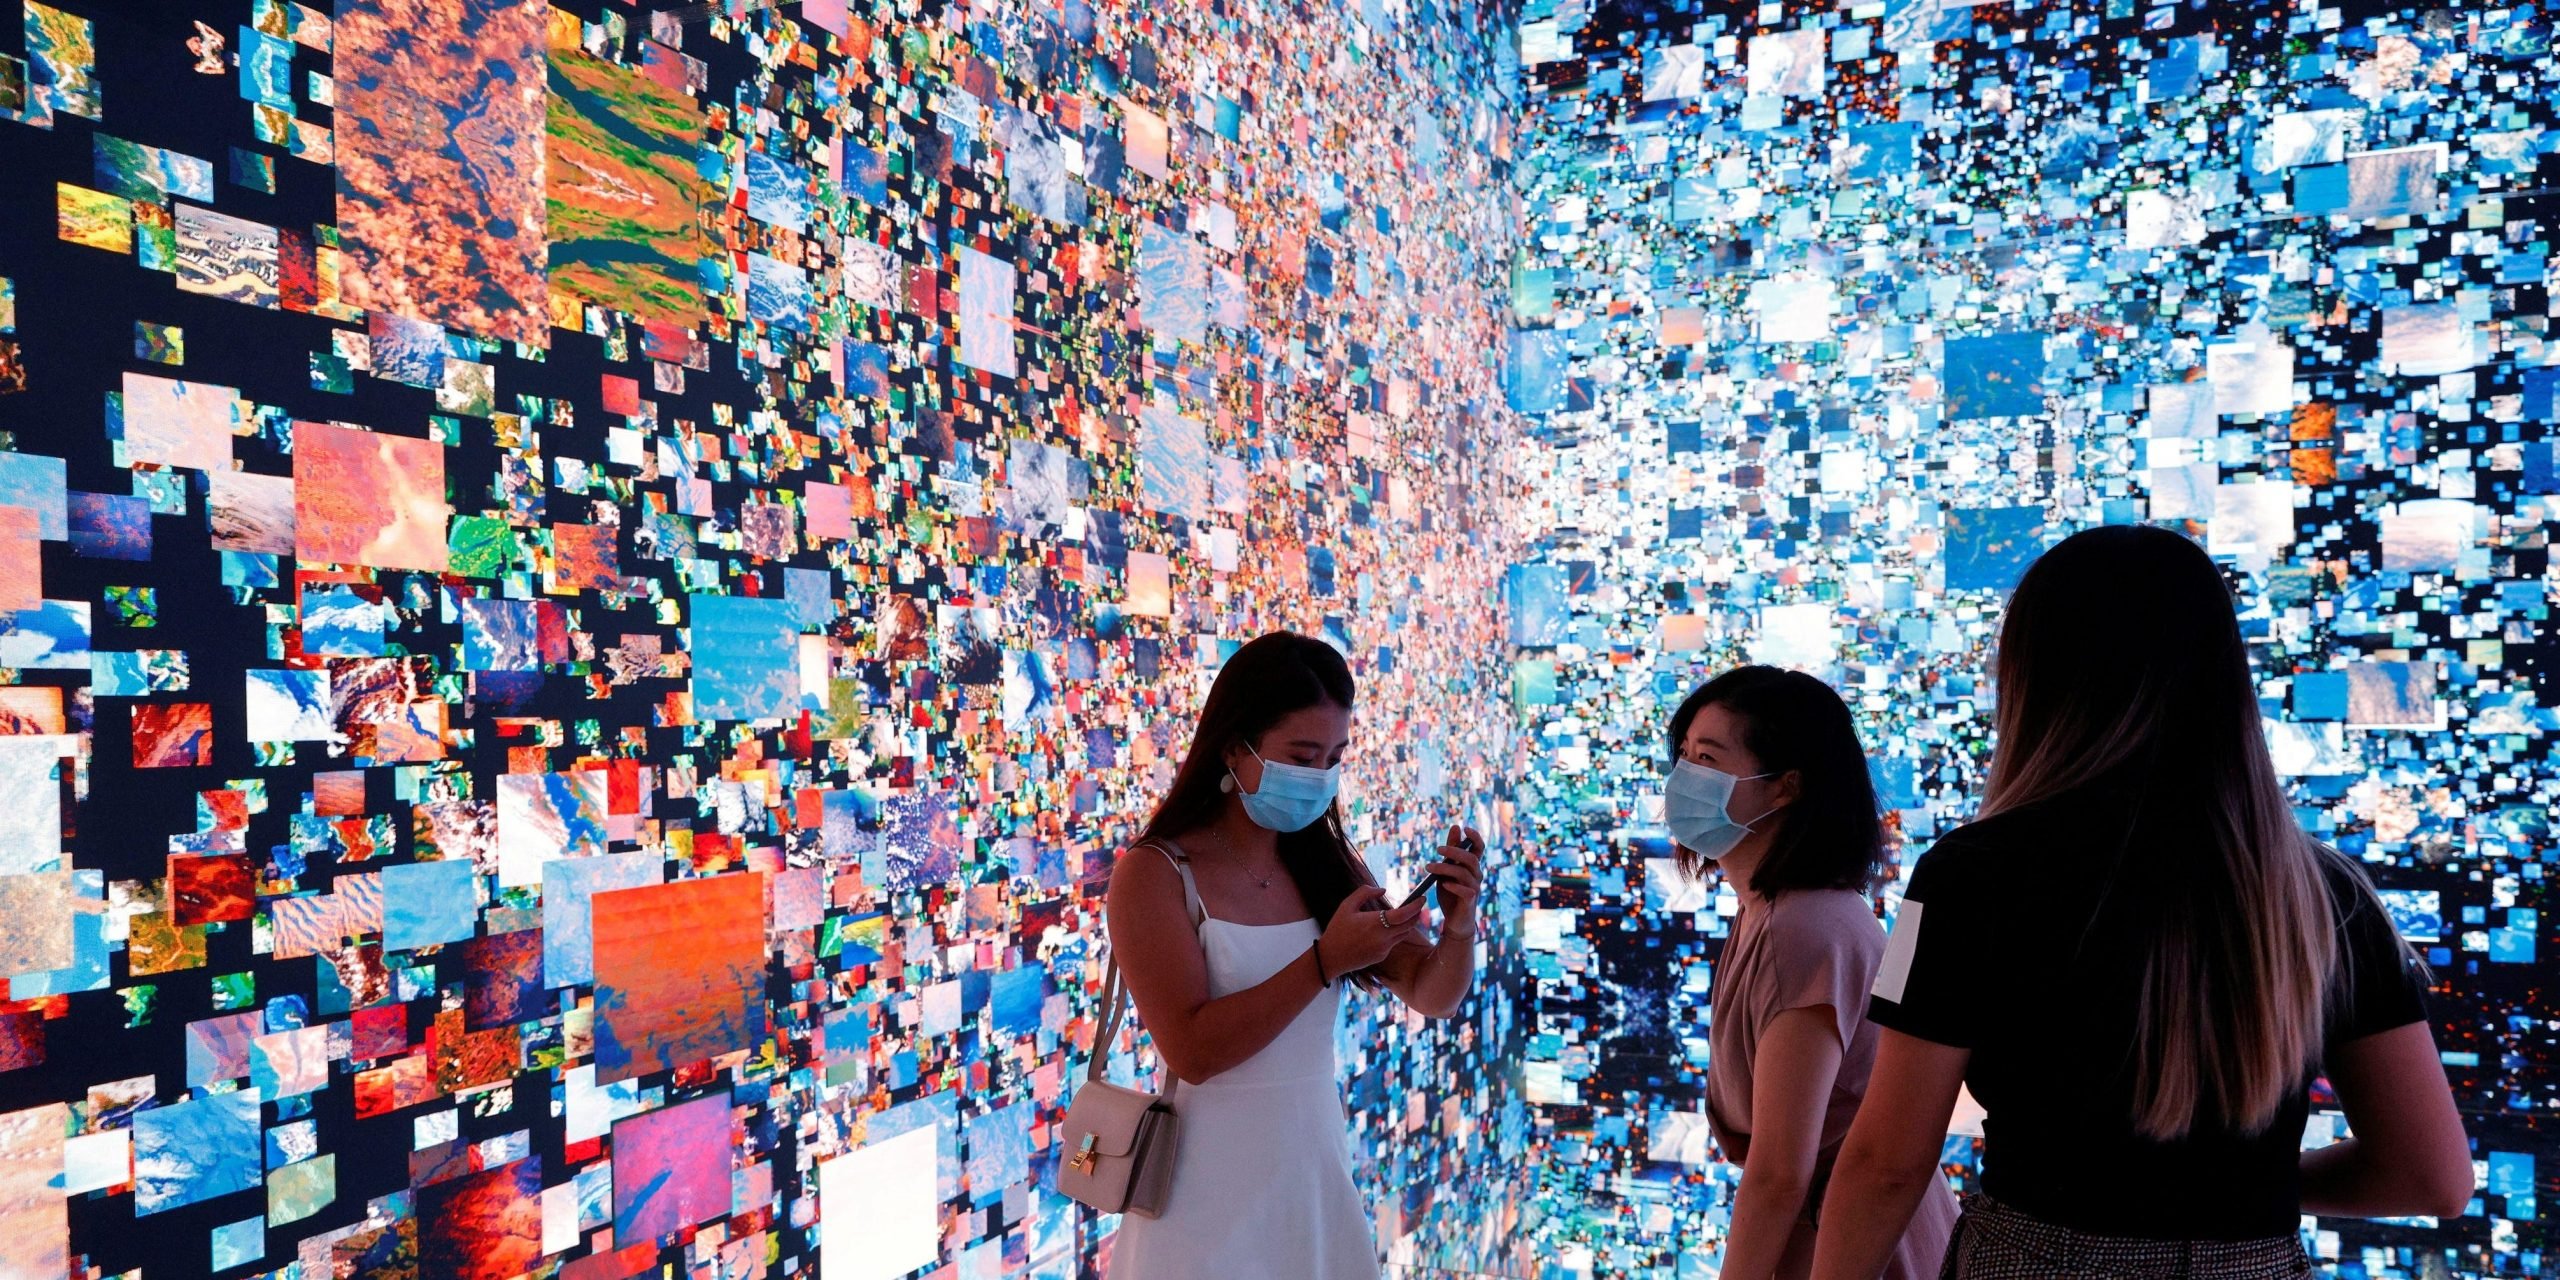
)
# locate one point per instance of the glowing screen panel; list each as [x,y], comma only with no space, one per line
[588,590]
[1830,318]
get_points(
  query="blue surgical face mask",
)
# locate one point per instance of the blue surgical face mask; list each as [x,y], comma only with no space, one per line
[1292,796]
[1696,806]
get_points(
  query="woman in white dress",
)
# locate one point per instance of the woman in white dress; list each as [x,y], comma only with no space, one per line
[1237,917]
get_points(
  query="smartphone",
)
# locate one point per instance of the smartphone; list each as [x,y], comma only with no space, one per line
[1418,892]
[1473,844]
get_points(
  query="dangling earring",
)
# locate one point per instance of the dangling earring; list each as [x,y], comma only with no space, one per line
[1227,785]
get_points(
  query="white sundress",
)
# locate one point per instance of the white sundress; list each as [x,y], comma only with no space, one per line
[1262,1169]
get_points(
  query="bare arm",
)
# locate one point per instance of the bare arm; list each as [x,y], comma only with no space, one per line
[1890,1157]
[1168,977]
[1434,980]
[1791,1077]
[2408,1155]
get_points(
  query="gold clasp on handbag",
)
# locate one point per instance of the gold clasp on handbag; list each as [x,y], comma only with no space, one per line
[1082,1161]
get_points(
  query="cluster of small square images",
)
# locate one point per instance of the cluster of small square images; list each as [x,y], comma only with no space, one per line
[1829,319]
[592,590]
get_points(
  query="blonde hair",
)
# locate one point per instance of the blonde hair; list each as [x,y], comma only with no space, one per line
[2121,659]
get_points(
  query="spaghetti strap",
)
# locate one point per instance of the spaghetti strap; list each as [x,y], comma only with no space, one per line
[1182,866]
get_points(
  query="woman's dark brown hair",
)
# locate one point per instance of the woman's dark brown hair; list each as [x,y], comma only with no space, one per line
[2122,664]
[1831,837]
[1270,677]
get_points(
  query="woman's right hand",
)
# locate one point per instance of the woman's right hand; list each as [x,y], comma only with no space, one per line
[1362,931]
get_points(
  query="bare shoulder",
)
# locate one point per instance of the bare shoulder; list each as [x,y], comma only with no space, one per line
[1148,918]
[1142,875]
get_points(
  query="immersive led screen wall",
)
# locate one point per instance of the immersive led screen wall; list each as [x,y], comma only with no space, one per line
[589,589]
[1831,317]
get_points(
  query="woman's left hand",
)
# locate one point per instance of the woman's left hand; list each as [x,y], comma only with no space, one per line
[1461,872]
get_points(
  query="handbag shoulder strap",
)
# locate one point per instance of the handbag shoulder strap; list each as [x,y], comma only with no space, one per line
[1115,999]
[1115,993]
[1182,866]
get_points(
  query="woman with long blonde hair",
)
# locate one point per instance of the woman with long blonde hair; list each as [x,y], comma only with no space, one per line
[2139,962]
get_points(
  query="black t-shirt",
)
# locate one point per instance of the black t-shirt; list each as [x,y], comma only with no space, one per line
[2003,949]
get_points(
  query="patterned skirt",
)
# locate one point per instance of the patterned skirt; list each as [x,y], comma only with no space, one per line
[1995,1242]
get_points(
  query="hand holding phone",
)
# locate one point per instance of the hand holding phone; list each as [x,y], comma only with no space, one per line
[1458,874]
[1418,891]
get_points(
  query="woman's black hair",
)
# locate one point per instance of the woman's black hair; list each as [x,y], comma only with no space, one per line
[1831,837]
[1265,680]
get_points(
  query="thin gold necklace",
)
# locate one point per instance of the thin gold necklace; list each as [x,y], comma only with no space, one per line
[1265,881]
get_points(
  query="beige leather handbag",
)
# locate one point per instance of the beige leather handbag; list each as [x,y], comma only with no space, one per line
[1119,1141]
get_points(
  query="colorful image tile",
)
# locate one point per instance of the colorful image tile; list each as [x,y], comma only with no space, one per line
[777,293]
[777,191]
[250,512]
[110,526]
[428,904]
[159,343]
[35,1224]
[440,223]
[289,706]
[623,192]
[1173,284]
[227,257]
[671,1168]
[51,637]
[679,973]
[545,817]
[96,219]
[62,65]
[569,887]
[206,888]
[150,173]
[482,1226]
[1173,461]
[196,1150]
[368,498]
[986,314]
[746,657]
[502,979]
[172,735]
[179,423]
[406,350]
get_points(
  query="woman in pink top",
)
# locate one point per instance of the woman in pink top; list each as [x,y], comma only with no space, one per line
[1769,783]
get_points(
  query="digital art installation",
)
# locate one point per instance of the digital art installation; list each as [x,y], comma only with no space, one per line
[1828,319]
[590,590]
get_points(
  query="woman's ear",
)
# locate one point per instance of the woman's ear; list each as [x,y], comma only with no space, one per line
[1786,788]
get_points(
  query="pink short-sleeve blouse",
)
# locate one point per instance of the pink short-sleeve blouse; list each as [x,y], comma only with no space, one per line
[1809,947]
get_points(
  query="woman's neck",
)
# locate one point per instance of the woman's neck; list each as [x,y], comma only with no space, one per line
[1235,835]
[1739,865]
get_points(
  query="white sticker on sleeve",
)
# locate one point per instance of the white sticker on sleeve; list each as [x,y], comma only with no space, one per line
[1898,947]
